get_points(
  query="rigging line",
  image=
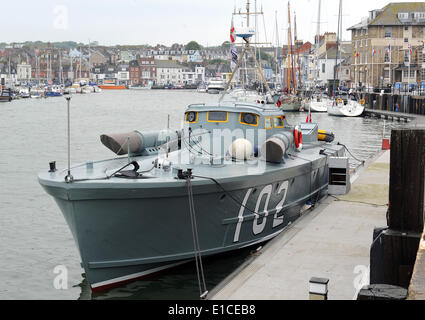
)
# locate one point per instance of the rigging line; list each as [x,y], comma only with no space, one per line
[197,250]
[227,193]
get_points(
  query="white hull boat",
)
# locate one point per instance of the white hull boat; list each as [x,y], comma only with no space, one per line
[342,108]
[318,104]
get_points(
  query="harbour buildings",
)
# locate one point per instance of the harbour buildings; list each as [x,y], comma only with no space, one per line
[388,46]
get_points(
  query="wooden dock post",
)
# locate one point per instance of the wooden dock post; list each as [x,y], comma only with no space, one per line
[407,172]
[393,252]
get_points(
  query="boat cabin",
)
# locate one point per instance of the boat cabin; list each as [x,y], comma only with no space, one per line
[236,115]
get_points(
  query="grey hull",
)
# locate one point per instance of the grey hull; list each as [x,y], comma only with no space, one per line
[131,231]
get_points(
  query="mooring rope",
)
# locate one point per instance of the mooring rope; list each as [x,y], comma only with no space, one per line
[197,248]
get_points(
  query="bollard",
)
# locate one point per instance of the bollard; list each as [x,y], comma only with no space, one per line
[318,288]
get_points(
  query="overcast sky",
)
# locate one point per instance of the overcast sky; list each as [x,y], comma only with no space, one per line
[112,22]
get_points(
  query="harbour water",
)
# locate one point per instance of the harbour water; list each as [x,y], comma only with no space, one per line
[35,238]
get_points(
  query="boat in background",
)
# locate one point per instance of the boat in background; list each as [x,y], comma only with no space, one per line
[24,93]
[215,85]
[5,95]
[202,88]
[247,96]
[318,102]
[54,91]
[345,105]
[139,88]
[112,85]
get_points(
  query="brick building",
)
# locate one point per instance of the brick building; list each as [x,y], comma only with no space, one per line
[142,71]
[382,43]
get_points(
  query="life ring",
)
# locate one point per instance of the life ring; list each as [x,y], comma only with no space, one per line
[339,100]
[298,136]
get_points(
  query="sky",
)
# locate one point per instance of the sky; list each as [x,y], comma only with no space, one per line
[120,22]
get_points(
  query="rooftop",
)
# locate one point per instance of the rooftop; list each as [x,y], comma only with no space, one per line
[392,15]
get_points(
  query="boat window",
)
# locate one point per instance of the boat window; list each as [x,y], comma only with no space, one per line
[268,123]
[191,117]
[249,119]
[278,122]
[218,116]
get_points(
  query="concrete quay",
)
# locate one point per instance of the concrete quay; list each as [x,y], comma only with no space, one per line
[332,241]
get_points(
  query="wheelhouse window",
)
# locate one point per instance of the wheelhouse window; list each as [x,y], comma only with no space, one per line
[191,117]
[278,122]
[218,116]
[249,119]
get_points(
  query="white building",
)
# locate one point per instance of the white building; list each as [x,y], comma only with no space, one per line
[169,72]
[200,73]
[23,71]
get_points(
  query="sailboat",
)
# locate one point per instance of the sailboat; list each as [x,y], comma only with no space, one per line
[318,101]
[290,101]
[244,94]
[343,105]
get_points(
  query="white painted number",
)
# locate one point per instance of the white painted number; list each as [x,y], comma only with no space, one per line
[258,228]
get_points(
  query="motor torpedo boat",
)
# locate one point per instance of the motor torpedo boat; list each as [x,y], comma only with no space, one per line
[236,175]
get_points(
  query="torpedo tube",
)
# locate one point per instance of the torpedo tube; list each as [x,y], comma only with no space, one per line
[136,142]
[276,147]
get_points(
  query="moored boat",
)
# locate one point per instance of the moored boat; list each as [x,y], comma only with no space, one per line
[345,106]
[131,223]
[111,85]
[5,94]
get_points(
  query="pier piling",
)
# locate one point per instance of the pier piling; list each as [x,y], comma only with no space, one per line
[394,250]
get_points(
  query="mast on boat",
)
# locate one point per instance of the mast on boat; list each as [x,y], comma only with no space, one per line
[337,47]
[247,47]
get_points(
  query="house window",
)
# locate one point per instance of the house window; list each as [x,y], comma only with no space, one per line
[388,32]
[386,74]
[406,28]
[403,15]
[406,56]
[423,75]
[323,68]
[406,40]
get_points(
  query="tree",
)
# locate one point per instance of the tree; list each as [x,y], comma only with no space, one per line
[226,45]
[193,45]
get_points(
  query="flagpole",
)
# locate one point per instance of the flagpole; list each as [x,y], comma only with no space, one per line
[373,55]
[410,60]
[391,83]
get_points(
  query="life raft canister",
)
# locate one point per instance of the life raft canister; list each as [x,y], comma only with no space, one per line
[298,136]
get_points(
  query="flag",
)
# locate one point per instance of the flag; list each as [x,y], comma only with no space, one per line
[410,48]
[234,57]
[232,33]
[279,103]
[373,52]
[389,49]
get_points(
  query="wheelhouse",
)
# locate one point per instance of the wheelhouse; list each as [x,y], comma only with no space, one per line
[235,116]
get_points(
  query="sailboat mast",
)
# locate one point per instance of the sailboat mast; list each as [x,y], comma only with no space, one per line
[289,50]
[60,68]
[297,51]
[337,45]
[318,42]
